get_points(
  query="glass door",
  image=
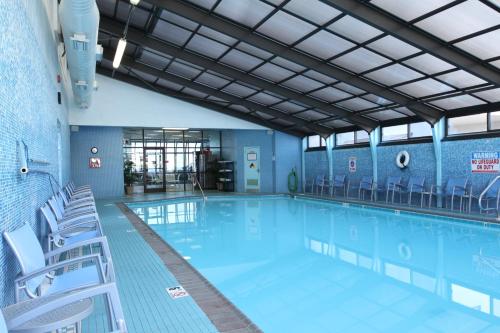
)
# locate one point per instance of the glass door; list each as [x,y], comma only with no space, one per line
[154,169]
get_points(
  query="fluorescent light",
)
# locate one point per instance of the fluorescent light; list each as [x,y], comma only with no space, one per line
[120,49]
[175,128]
[135,2]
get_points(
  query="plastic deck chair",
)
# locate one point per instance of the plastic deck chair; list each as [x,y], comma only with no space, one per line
[491,198]
[319,182]
[455,187]
[339,182]
[75,216]
[391,183]
[75,203]
[75,206]
[415,185]
[366,184]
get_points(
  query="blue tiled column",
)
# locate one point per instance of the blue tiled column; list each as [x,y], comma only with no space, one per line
[303,158]
[330,143]
[437,137]
[374,141]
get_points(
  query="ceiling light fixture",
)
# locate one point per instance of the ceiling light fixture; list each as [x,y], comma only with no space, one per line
[120,49]
[175,129]
[135,2]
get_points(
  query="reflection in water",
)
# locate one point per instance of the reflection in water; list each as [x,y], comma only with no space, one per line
[305,266]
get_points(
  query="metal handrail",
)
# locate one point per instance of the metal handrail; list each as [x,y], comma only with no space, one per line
[480,199]
[196,182]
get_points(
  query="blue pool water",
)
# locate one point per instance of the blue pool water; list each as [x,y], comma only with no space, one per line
[300,265]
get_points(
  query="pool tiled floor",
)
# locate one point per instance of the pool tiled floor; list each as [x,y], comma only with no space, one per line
[142,278]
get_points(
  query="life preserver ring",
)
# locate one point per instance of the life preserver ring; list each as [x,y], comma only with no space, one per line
[293,181]
[402,159]
[404,251]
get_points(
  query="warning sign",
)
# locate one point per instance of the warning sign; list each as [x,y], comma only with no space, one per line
[485,162]
[352,164]
[177,292]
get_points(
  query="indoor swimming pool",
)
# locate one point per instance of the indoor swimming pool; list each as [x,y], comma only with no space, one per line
[305,265]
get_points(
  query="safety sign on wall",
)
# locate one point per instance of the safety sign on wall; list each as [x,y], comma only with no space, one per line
[352,164]
[485,162]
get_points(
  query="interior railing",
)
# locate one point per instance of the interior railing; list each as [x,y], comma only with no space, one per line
[480,199]
[197,183]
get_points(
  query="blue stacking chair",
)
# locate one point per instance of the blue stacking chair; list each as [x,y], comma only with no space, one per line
[391,183]
[416,184]
[339,182]
[455,187]
[491,198]
[365,185]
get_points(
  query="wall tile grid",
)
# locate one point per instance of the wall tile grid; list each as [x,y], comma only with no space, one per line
[106,181]
[28,111]
[364,165]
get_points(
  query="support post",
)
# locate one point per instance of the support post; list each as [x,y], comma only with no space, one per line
[374,141]
[330,143]
[303,158]
[437,137]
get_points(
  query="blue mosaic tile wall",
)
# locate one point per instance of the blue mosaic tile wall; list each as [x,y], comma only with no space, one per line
[28,111]
[106,181]
[363,163]
[422,162]
[288,150]
[316,164]
[457,156]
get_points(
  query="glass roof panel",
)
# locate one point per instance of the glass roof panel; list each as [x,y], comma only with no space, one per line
[393,47]
[208,4]
[330,94]
[238,90]
[212,80]
[484,46]
[324,45]
[473,16]
[377,99]
[171,33]
[282,122]
[337,123]
[302,83]
[263,98]
[264,115]
[183,70]
[456,102]
[312,10]
[492,95]
[254,50]
[311,115]
[394,74]
[194,93]
[139,18]
[285,27]
[351,89]
[461,79]
[496,63]
[404,110]
[288,107]
[220,37]
[273,72]
[106,7]
[357,104]
[320,77]
[179,20]
[360,60]
[424,88]
[240,60]
[429,64]
[206,46]
[247,12]
[288,64]
[169,85]
[386,115]
[354,29]
[239,108]
[145,76]
[154,60]
[409,10]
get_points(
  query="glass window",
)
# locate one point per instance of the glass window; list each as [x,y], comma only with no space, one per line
[362,136]
[344,138]
[418,130]
[495,120]
[468,124]
[398,132]
[315,141]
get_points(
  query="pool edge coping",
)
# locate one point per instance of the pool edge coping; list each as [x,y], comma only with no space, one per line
[226,318]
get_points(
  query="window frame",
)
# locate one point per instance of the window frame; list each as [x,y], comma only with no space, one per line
[490,132]
[352,145]
[320,147]
[408,140]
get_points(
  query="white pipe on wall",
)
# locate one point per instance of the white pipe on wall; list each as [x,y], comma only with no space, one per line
[80,22]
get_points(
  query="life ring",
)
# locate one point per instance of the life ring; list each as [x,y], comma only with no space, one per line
[404,251]
[402,159]
[293,181]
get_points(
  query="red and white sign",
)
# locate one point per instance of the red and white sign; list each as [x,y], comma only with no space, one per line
[352,164]
[485,162]
[177,292]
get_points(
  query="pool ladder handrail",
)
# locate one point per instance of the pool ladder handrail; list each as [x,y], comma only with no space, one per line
[480,199]
[196,182]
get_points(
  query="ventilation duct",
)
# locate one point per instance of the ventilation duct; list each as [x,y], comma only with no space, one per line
[80,22]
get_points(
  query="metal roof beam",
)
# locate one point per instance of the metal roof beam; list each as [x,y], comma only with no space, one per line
[414,36]
[139,37]
[128,61]
[210,20]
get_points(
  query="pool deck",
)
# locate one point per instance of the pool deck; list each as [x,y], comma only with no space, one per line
[146,265]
